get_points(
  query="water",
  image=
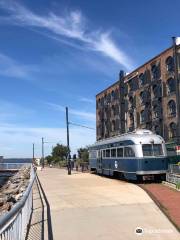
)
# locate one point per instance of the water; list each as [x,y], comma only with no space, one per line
[16,160]
[4,176]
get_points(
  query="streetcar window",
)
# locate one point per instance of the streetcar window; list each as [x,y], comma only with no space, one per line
[147,150]
[113,152]
[104,153]
[92,154]
[157,149]
[107,152]
[98,154]
[119,152]
[152,150]
[128,152]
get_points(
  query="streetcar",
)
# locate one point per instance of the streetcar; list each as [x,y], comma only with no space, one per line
[138,155]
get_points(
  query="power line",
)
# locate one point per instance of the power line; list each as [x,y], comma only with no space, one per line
[79,125]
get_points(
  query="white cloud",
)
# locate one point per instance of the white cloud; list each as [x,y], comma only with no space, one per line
[17,141]
[10,111]
[10,68]
[87,100]
[72,26]
[82,114]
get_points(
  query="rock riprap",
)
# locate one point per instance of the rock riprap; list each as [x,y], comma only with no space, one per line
[13,190]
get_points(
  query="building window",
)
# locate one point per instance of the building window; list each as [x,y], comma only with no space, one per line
[157,90]
[99,103]
[172,107]
[108,98]
[142,79]
[142,97]
[112,95]
[116,92]
[171,85]
[170,64]
[113,111]
[172,130]
[157,129]
[131,101]
[131,118]
[155,72]
[113,126]
[142,116]
[155,111]
[117,124]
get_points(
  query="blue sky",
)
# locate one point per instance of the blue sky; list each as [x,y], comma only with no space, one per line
[62,53]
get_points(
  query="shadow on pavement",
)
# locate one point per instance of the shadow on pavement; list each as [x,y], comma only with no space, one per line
[40,226]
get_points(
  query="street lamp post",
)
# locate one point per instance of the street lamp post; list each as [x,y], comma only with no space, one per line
[68,158]
[42,152]
[33,152]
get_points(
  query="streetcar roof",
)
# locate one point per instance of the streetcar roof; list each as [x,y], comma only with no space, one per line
[140,136]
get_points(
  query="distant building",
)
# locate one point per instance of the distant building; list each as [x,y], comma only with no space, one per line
[148,97]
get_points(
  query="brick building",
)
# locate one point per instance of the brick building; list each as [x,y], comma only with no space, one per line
[148,97]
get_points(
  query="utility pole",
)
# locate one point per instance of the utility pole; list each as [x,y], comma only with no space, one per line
[42,152]
[33,152]
[68,158]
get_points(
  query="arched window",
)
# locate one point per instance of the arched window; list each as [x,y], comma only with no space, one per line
[116,92]
[154,71]
[143,97]
[142,116]
[170,64]
[113,125]
[113,110]
[112,95]
[172,107]
[171,85]
[155,111]
[131,116]
[131,101]
[142,79]
[102,101]
[105,99]
[117,124]
[157,129]
[99,103]
[109,98]
[172,130]
[157,90]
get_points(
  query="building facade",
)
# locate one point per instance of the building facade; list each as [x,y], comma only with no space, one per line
[148,97]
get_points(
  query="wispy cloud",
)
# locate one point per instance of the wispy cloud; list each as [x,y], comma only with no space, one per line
[82,114]
[10,112]
[87,100]
[72,26]
[11,68]
[13,137]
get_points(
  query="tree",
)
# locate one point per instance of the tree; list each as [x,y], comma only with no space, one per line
[49,159]
[83,154]
[59,152]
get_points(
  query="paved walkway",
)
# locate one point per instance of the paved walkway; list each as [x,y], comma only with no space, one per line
[86,206]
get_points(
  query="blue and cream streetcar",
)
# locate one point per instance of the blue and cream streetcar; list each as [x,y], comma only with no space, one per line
[139,155]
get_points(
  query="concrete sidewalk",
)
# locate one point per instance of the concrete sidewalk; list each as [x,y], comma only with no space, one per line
[86,206]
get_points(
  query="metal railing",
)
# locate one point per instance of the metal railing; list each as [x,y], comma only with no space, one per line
[174,169]
[13,166]
[13,225]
